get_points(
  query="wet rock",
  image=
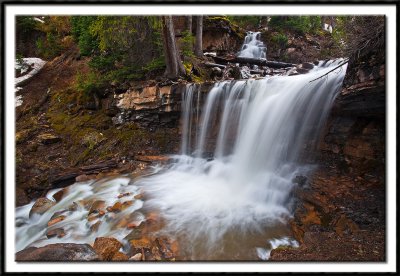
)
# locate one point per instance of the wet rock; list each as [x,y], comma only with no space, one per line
[58,232]
[120,257]
[97,206]
[138,196]
[47,138]
[92,217]
[134,224]
[124,194]
[58,252]
[167,247]
[41,206]
[136,257]
[56,220]
[300,180]
[82,178]
[307,65]
[106,247]
[73,207]
[59,195]
[117,207]
[302,70]
[126,204]
[144,242]
[95,227]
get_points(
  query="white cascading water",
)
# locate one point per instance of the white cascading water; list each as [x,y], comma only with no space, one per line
[232,182]
[227,196]
[253,47]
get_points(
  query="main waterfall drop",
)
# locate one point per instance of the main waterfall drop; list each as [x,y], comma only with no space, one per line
[241,150]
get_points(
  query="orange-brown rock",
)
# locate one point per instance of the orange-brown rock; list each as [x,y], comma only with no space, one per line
[56,220]
[144,242]
[117,207]
[119,257]
[106,247]
[123,194]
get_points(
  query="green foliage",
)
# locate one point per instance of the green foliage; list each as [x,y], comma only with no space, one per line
[246,21]
[19,60]
[187,44]
[88,84]
[25,24]
[81,32]
[298,24]
[56,29]
[280,39]
[122,47]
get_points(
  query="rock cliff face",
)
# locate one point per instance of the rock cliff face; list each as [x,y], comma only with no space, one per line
[340,214]
[355,134]
[152,106]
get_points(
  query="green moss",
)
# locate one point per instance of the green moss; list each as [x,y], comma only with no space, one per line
[285,247]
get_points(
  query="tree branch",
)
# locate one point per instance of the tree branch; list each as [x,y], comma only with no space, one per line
[340,65]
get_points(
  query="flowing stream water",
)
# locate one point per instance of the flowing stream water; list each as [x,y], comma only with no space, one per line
[227,195]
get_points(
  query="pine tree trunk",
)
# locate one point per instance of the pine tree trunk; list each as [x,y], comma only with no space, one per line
[189,22]
[173,62]
[198,46]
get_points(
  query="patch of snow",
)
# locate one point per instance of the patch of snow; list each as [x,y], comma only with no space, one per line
[18,100]
[37,64]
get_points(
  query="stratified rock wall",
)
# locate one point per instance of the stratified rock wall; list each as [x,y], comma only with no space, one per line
[354,137]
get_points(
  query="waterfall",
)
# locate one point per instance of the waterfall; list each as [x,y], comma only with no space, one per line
[238,161]
[253,47]
[227,195]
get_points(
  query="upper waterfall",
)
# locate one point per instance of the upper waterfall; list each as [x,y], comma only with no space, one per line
[253,47]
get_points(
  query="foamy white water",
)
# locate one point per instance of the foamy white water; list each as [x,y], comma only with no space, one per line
[255,132]
[253,47]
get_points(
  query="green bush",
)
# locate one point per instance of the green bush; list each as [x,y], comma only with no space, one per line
[280,39]
[298,24]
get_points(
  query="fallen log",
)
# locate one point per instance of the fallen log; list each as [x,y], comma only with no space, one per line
[209,64]
[254,61]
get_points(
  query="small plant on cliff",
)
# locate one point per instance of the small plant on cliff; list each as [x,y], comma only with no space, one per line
[280,39]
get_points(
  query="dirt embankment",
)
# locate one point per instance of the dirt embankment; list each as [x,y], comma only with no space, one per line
[60,132]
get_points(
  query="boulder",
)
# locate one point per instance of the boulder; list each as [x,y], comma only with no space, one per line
[58,252]
[56,220]
[120,257]
[106,248]
[59,195]
[41,206]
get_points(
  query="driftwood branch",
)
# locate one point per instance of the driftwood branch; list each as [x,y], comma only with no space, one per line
[340,65]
